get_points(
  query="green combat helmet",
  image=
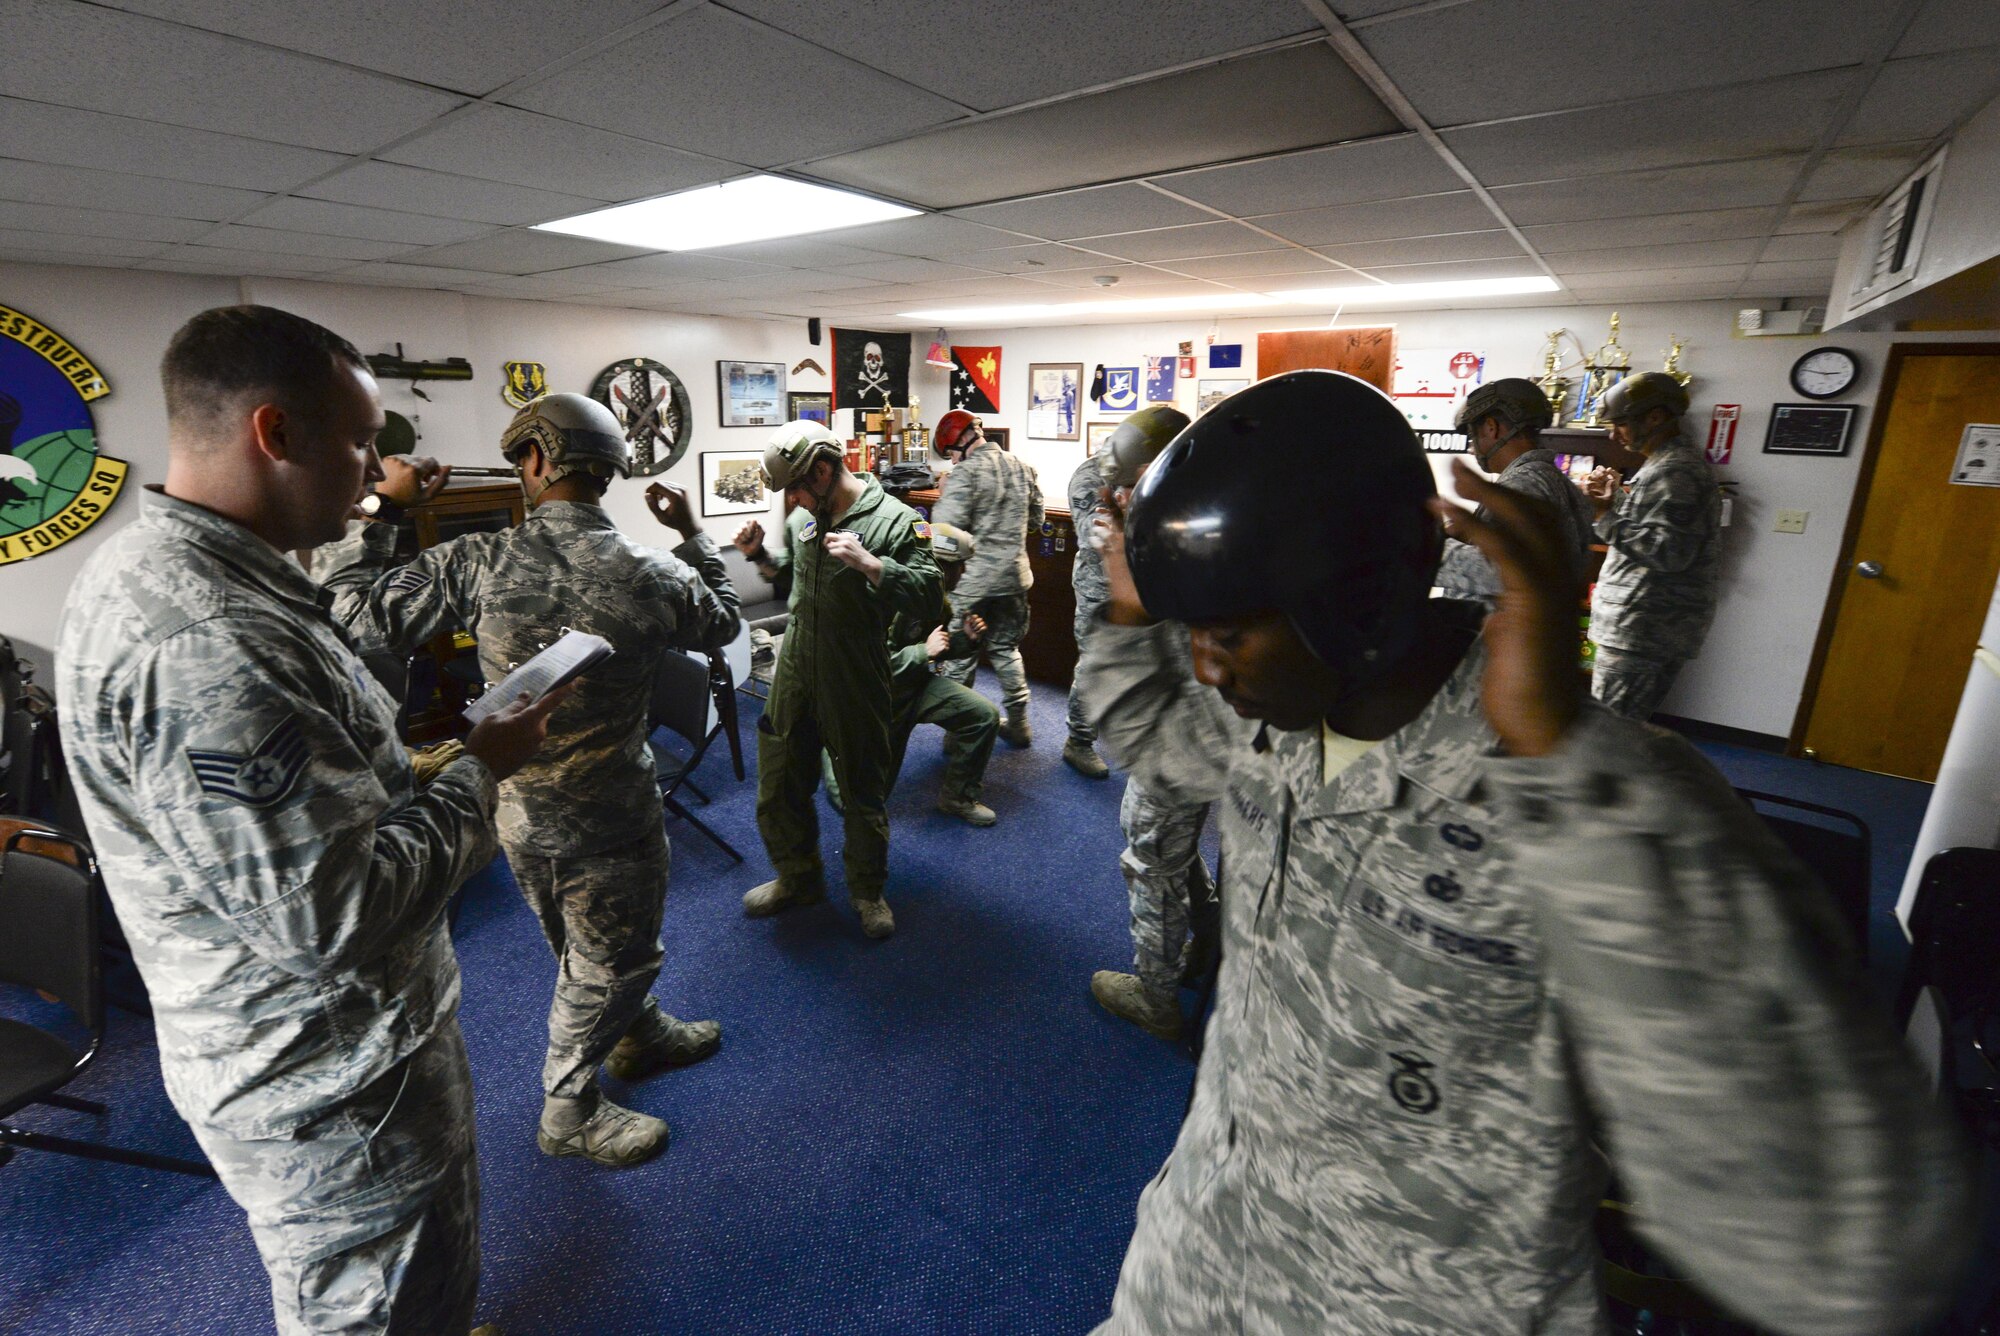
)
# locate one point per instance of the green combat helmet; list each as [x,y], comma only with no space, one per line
[792,450]
[1640,393]
[575,433]
[1138,441]
[1518,403]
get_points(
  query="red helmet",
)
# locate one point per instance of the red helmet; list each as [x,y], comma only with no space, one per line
[950,427]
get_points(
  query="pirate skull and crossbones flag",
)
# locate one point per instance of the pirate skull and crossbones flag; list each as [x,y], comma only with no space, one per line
[871,370]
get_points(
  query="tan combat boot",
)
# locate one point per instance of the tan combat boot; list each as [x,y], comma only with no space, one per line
[609,1134]
[876,920]
[1083,758]
[775,896]
[969,810]
[655,1045]
[1014,730]
[1127,997]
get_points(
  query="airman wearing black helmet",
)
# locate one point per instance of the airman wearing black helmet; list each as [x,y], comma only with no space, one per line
[1480,935]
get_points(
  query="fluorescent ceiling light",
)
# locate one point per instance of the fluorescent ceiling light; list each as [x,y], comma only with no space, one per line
[987,315]
[1364,294]
[756,208]
[1391,294]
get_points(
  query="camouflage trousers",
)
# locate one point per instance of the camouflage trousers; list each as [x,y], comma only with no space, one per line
[1632,684]
[1006,618]
[1166,881]
[368,1217]
[970,725]
[601,914]
[1081,730]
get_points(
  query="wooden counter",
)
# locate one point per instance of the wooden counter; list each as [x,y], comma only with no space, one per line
[1048,651]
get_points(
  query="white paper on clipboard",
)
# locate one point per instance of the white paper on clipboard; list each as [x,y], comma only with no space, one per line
[570,657]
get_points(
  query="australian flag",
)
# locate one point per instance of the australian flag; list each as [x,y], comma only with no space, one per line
[975,379]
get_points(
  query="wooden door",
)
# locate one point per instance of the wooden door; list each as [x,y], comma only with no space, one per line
[1919,566]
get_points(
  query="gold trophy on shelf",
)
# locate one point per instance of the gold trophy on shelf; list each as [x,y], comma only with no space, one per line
[1552,382]
[1611,363]
[1673,366]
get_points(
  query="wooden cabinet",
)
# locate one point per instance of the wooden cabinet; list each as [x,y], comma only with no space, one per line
[1048,651]
[444,674]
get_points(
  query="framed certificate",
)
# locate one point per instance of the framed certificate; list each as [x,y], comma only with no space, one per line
[752,393]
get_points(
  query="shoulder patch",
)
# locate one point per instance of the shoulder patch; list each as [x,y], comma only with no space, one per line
[922,529]
[260,779]
[409,580]
[808,530]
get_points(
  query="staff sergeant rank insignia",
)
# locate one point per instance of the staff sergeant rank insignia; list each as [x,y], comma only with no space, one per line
[260,779]
[53,483]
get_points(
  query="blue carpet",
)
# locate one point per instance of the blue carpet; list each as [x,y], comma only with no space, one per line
[937,1133]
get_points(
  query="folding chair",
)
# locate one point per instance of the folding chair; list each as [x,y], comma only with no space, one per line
[682,704]
[49,903]
[1839,858]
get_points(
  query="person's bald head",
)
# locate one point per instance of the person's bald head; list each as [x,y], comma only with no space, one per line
[225,362]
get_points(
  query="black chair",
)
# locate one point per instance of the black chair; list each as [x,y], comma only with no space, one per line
[50,908]
[1954,926]
[1839,858]
[682,698]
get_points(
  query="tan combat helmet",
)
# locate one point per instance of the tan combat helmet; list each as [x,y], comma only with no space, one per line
[575,433]
[1640,393]
[792,450]
[1518,403]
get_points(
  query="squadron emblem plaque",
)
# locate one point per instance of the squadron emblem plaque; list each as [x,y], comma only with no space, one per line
[53,482]
[650,402]
[522,381]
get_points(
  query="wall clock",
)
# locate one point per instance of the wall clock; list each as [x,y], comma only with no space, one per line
[1825,373]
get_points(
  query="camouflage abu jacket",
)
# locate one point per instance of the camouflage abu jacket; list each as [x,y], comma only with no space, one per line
[1448,977]
[995,498]
[1465,573]
[1087,570]
[280,877]
[1656,594]
[591,787]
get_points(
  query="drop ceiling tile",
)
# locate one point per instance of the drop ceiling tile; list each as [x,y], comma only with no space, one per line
[1872,171]
[349,220]
[1128,276]
[521,251]
[1258,265]
[1082,213]
[385,274]
[1178,243]
[254,266]
[389,185]
[788,281]
[1688,256]
[1924,97]
[1296,97]
[1031,260]
[1780,116]
[1653,229]
[1830,215]
[947,294]
[542,285]
[818,251]
[932,236]
[1804,246]
[46,183]
[234,260]
[78,259]
[278,242]
[909,270]
[1813,273]
[1628,294]
[40,132]
[1614,283]
[77,244]
[497,143]
[1751,183]
[717,83]
[57,221]
[1951,25]
[1425,216]
[1454,272]
[1352,10]
[158,71]
[1390,168]
[1445,59]
[470,48]
[1454,246]
[991,56]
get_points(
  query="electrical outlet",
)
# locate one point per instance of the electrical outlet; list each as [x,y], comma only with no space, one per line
[1791,521]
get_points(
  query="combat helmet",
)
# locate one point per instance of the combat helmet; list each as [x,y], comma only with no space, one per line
[575,433]
[792,450]
[951,429]
[1304,494]
[1138,441]
[1640,393]
[1517,402]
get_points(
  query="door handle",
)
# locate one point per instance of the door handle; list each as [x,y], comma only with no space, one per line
[1868,570]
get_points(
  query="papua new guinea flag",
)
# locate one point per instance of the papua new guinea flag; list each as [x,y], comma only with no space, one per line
[975,379]
[871,369]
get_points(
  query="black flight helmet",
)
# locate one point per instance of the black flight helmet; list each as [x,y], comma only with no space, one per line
[1304,494]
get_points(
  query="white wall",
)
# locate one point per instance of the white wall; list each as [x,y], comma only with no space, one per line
[1749,676]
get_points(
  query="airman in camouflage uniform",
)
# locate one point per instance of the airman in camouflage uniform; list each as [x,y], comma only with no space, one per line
[1462,967]
[583,826]
[279,874]
[1502,421]
[1087,580]
[1656,596]
[855,558]
[998,500]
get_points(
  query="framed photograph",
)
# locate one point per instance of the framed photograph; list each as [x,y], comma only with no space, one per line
[1055,401]
[1000,436]
[1096,434]
[1809,429]
[815,406]
[1212,392]
[753,393]
[732,483]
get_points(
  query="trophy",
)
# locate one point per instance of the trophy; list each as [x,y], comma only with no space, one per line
[1604,368]
[1673,366]
[1552,384]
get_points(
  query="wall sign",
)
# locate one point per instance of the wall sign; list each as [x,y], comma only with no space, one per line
[1722,432]
[522,381]
[1978,462]
[651,404]
[1809,429]
[53,482]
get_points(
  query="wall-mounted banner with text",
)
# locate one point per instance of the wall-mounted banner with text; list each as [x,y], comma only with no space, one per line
[53,482]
